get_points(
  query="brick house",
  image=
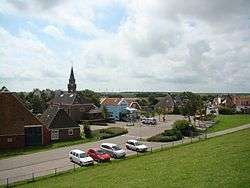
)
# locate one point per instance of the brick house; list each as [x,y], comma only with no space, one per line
[62,127]
[77,107]
[18,126]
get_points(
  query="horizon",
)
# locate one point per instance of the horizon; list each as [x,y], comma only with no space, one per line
[120,46]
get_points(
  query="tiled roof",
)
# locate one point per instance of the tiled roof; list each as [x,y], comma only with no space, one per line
[54,117]
[14,115]
[66,98]
[110,101]
[165,102]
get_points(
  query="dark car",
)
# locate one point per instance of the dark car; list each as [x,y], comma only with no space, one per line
[98,155]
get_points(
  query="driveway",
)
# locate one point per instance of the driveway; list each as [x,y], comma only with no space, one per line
[56,158]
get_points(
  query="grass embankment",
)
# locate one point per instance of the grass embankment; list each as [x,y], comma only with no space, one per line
[229,121]
[97,135]
[218,162]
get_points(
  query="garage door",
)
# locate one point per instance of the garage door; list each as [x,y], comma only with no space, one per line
[33,136]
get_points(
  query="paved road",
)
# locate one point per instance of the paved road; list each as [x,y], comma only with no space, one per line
[56,158]
[43,161]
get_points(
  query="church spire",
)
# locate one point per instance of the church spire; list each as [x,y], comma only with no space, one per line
[72,84]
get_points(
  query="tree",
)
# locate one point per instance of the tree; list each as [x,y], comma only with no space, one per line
[159,111]
[105,113]
[87,131]
[192,104]
[91,95]
[152,100]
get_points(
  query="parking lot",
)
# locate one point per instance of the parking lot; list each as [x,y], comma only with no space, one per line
[26,164]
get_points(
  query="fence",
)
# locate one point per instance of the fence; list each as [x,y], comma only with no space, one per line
[8,181]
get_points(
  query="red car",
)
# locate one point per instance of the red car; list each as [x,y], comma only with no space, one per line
[98,155]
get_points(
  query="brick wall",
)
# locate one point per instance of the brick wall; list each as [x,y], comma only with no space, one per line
[12,141]
[64,135]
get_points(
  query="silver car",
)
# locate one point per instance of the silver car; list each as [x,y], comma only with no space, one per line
[113,150]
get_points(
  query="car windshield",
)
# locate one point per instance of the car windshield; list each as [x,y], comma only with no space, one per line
[99,151]
[82,155]
[116,148]
[138,143]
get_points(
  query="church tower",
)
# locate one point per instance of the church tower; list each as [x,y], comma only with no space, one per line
[72,84]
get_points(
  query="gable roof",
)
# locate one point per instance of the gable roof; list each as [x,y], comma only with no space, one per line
[167,101]
[66,98]
[55,117]
[14,115]
[110,101]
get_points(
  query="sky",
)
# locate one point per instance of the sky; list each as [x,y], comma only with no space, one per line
[126,45]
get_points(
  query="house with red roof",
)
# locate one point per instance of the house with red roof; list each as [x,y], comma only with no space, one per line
[18,126]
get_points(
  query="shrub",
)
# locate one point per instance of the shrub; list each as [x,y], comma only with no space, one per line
[87,131]
[180,128]
[226,111]
[111,132]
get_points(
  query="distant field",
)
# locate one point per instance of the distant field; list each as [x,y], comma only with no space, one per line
[218,162]
[229,121]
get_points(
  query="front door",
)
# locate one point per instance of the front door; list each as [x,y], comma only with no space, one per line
[33,136]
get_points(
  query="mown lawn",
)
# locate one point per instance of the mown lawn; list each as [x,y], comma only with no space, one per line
[229,121]
[218,162]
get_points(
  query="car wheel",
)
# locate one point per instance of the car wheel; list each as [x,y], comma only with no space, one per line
[115,157]
[71,160]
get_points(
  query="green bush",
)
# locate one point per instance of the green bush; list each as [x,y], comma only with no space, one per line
[112,132]
[87,131]
[226,111]
[180,129]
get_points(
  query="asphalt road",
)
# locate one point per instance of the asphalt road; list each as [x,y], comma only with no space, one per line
[21,167]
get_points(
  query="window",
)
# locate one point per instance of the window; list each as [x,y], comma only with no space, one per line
[54,134]
[9,140]
[70,132]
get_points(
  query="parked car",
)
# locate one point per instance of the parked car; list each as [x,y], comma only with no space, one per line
[80,157]
[136,146]
[149,121]
[98,155]
[113,150]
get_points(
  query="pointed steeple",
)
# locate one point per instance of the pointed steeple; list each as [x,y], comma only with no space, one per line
[72,84]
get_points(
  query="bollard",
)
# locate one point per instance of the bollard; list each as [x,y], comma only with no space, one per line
[161,147]
[172,144]
[74,166]
[182,140]
[191,140]
[137,153]
[7,182]
[55,171]
[33,176]
[151,150]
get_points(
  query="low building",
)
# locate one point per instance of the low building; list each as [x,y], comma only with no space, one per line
[18,126]
[118,106]
[62,127]
[166,103]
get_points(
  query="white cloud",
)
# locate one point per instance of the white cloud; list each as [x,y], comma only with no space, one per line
[54,32]
[161,45]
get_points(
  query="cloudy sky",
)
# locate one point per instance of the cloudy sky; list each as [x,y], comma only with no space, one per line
[121,45]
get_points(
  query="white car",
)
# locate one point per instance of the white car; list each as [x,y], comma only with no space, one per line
[136,146]
[80,157]
[113,150]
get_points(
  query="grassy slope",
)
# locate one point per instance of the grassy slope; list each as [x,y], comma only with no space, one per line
[218,162]
[229,121]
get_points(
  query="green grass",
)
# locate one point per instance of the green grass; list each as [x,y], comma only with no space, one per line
[97,135]
[229,121]
[217,162]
